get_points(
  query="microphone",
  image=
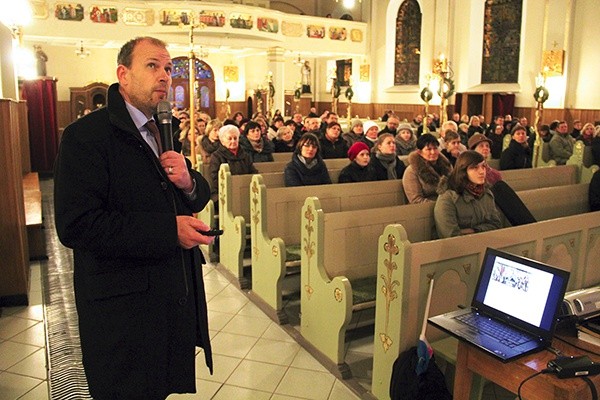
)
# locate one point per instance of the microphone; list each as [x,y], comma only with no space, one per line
[163,110]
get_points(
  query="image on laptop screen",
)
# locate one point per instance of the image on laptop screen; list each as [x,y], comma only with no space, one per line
[520,288]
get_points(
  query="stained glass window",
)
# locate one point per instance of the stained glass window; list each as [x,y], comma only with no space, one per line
[408,44]
[501,41]
[181,70]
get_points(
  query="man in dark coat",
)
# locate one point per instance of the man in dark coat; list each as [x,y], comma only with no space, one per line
[126,209]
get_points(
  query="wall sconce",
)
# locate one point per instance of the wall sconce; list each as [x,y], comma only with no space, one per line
[81,52]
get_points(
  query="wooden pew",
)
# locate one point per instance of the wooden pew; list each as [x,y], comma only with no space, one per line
[275,227]
[541,155]
[583,159]
[279,166]
[533,178]
[36,237]
[234,215]
[571,243]
[282,156]
[339,249]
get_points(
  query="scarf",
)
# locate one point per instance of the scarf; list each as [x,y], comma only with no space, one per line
[476,190]
[389,162]
[310,164]
[257,146]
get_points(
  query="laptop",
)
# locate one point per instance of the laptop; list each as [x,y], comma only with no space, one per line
[514,309]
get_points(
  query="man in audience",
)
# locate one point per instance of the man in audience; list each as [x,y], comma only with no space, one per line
[577,125]
[482,122]
[312,125]
[332,143]
[391,125]
[498,121]
[561,144]
[428,124]
[331,117]
[416,122]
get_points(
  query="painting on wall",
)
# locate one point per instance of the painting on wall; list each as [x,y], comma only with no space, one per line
[365,72]
[230,73]
[270,25]
[241,21]
[343,71]
[138,16]
[69,12]
[501,41]
[356,35]
[39,9]
[175,17]
[291,29]
[315,31]
[106,15]
[212,18]
[553,61]
[337,33]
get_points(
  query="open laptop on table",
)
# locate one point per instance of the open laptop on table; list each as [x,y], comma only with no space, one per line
[514,308]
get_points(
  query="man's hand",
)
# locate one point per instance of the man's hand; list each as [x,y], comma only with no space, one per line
[187,232]
[176,169]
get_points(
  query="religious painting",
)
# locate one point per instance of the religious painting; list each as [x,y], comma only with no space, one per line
[69,12]
[501,41]
[270,25]
[407,57]
[230,73]
[356,35]
[241,21]
[365,72]
[138,16]
[553,61]
[212,18]
[106,15]
[39,9]
[175,17]
[291,29]
[337,33]
[315,31]
[343,71]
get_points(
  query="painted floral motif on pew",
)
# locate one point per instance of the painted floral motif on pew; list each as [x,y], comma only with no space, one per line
[389,286]
[309,245]
[255,217]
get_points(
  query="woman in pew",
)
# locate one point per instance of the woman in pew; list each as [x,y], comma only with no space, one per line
[307,166]
[371,130]
[465,204]
[385,161]
[481,144]
[210,140]
[425,168]
[355,133]
[255,142]
[285,141]
[229,152]
[359,169]
[518,153]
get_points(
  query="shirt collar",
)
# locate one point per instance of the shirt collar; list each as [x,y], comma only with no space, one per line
[138,117]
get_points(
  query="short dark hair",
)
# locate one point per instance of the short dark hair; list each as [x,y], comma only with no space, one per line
[309,138]
[126,53]
[425,140]
[251,125]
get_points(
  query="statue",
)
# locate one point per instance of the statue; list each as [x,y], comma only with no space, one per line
[305,70]
[40,58]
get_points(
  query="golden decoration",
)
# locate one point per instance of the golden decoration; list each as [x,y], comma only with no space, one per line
[386,341]
[337,295]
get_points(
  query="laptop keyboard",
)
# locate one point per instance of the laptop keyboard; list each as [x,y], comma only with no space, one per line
[499,331]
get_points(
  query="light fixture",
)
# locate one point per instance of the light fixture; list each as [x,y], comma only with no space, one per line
[16,16]
[348,3]
[299,61]
[81,52]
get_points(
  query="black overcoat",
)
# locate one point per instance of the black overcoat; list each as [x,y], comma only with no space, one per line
[140,296]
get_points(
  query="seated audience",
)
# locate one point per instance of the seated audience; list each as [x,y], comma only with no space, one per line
[385,162]
[416,122]
[229,152]
[586,134]
[332,143]
[371,132]
[276,123]
[256,144]
[594,192]
[185,137]
[561,144]
[518,153]
[285,141]
[481,144]
[427,126]
[465,204]
[452,147]
[359,169]
[426,167]
[209,143]
[307,167]
[406,142]
[355,133]
[391,125]
[577,130]
[545,135]
[496,137]
[237,118]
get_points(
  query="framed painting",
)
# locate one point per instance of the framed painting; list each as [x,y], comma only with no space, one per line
[270,25]
[138,16]
[343,71]
[315,31]
[212,18]
[337,33]
[241,21]
[105,15]
[175,17]
[69,11]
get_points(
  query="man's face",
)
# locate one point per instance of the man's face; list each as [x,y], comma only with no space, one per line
[333,133]
[393,123]
[297,118]
[577,125]
[562,128]
[523,121]
[148,80]
[332,118]
[312,124]
[419,118]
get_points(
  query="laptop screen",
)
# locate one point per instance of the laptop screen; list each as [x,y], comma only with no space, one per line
[520,291]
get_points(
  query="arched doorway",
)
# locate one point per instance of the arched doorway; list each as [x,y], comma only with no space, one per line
[204,89]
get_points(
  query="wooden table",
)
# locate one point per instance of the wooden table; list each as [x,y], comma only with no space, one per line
[510,375]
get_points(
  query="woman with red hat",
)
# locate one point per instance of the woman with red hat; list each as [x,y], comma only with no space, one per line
[359,169]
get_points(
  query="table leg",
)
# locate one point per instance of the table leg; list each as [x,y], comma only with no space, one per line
[463,377]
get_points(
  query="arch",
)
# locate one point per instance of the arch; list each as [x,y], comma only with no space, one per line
[407,57]
[204,89]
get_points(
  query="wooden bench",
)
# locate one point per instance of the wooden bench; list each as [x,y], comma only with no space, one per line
[583,159]
[541,155]
[275,228]
[404,270]
[32,196]
[340,248]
